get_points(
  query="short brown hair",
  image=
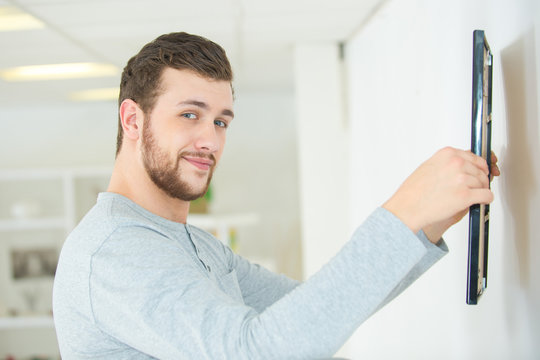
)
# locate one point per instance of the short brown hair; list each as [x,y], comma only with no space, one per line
[141,77]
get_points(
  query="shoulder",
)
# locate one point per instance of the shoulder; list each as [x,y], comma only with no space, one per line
[115,224]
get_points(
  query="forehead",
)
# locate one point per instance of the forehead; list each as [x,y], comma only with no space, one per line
[178,85]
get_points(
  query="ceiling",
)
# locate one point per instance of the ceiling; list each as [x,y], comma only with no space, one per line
[259,37]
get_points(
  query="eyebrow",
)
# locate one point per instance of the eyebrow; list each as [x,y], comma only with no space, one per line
[204,106]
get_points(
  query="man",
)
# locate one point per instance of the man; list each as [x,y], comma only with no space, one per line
[134,281]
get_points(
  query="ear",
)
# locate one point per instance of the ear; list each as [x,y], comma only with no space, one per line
[131,119]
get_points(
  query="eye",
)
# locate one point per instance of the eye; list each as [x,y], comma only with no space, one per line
[221,123]
[189,115]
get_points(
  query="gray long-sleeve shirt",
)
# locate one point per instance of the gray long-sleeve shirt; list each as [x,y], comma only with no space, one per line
[133,285]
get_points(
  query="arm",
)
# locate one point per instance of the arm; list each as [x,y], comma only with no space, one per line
[260,287]
[434,253]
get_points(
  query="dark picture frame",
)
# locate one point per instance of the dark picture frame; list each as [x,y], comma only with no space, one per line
[34,263]
[477,270]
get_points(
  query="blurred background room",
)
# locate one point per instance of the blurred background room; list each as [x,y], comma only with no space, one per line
[336,103]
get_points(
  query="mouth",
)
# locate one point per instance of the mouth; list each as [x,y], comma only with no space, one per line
[199,162]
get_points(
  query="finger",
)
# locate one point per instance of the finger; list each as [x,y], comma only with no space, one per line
[476,182]
[481,196]
[480,176]
[495,171]
[494,158]
[476,160]
[482,164]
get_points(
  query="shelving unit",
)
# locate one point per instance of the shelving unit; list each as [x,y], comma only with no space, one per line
[38,208]
[20,186]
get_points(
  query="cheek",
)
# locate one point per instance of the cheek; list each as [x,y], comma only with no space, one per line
[221,147]
[223,142]
[178,140]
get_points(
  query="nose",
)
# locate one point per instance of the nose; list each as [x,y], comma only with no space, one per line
[207,139]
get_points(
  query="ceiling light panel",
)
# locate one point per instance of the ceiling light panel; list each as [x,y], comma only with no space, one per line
[12,19]
[96,94]
[58,71]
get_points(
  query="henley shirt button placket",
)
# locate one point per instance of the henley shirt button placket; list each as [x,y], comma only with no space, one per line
[207,267]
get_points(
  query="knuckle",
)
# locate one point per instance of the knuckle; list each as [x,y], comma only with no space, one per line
[461,179]
[447,150]
[457,162]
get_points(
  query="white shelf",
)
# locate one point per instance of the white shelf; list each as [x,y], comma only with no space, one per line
[32,224]
[52,173]
[211,221]
[26,322]
[222,224]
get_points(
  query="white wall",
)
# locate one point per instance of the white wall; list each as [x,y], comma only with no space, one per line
[410,94]
[259,173]
[322,152]
[56,135]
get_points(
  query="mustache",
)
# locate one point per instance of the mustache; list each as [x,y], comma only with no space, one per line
[198,154]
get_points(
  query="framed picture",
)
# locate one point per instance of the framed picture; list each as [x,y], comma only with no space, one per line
[480,145]
[34,263]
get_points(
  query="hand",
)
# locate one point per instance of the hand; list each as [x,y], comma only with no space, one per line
[436,230]
[439,193]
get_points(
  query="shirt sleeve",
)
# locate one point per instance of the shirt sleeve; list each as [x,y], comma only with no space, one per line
[434,253]
[260,287]
[164,306]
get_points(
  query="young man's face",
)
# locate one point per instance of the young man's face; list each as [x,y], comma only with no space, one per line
[184,135]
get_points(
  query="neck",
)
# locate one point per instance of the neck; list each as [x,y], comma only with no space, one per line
[134,183]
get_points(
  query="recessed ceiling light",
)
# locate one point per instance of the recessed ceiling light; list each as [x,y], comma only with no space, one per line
[58,71]
[96,94]
[12,19]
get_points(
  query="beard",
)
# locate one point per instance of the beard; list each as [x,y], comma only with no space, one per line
[165,173]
